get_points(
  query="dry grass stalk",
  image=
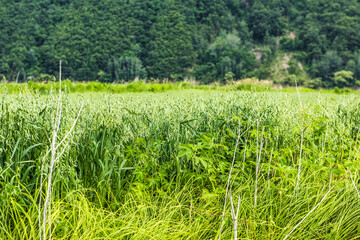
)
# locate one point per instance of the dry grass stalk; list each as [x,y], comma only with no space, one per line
[235,214]
[228,182]
[54,158]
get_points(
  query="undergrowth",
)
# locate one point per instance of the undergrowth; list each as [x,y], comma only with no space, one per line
[139,86]
[155,166]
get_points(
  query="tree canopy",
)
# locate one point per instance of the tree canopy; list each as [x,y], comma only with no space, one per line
[120,40]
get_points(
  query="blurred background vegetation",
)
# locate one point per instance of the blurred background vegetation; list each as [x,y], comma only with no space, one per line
[207,40]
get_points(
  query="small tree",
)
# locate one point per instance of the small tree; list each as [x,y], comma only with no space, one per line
[343,78]
[126,68]
[229,76]
[329,63]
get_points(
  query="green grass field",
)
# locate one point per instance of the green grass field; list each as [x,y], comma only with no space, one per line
[157,165]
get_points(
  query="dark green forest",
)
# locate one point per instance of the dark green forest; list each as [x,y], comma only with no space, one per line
[206,40]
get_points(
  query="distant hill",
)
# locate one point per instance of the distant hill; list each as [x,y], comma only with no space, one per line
[120,40]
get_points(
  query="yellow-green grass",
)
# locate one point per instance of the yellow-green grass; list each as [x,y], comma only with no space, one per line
[155,165]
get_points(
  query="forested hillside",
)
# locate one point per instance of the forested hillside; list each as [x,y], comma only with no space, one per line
[209,40]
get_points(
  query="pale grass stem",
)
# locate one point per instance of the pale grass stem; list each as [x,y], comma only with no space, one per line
[54,159]
[234,215]
[228,182]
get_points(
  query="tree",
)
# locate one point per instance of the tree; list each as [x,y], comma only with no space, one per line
[353,65]
[229,54]
[326,67]
[126,68]
[343,78]
[170,50]
[229,76]
[265,20]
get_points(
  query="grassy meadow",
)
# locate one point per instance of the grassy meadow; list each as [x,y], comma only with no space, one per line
[179,164]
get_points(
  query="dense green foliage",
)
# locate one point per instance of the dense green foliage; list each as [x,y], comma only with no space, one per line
[145,165]
[113,40]
[136,86]
[139,86]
